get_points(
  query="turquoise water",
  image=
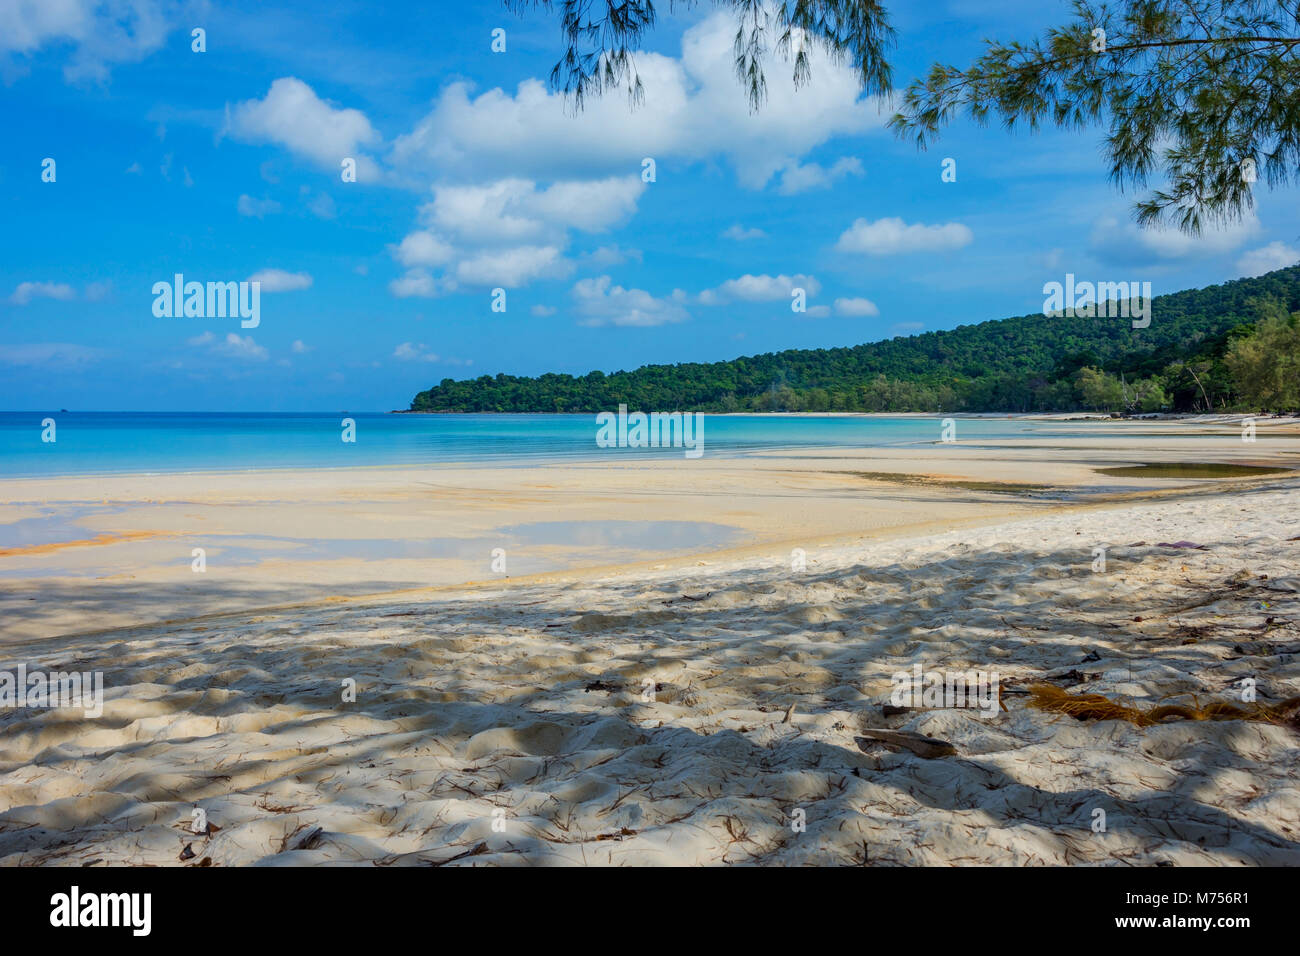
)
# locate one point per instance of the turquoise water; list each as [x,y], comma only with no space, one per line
[153,442]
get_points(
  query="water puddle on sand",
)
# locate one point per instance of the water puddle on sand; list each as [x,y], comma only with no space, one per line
[1205,470]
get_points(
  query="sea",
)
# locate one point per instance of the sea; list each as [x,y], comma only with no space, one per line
[88,443]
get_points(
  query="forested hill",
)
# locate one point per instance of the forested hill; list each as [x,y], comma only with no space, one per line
[1023,364]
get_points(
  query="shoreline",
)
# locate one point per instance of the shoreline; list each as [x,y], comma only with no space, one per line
[99,554]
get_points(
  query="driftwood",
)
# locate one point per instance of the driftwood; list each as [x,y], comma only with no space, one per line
[919,744]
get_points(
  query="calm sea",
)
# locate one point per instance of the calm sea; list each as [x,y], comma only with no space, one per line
[144,442]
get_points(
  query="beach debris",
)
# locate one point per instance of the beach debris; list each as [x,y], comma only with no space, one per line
[690,597]
[1182,544]
[789,714]
[919,744]
[1068,678]
[606,685]
[620,834]
[1264,649]
[1055,700]
[476,850]
[188,853]
[891,710]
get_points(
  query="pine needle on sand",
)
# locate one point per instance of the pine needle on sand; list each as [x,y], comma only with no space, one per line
[1055,700]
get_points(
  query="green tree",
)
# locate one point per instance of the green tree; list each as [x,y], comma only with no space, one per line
[1100,391]
[1265,367]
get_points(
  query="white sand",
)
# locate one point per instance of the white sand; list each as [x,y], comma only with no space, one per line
[472,704]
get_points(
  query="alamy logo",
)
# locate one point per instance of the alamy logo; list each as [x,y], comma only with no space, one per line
[213,300]
[58,689]
[73,909]
[656,430]
[946,689]
[1104,300]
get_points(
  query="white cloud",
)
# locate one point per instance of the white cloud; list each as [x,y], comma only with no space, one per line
[509,232]
[1275,255]
[248,206]
[277,280]
[292,115]
[514,267]
[542,311]
[856,307]
[515,210]
[741,234]
[694,109]
[797,179]
[1125,243]
[27,291]
[599,302]
[409,352]
[611,255]
[760,288]
[419,282]
[893,236]
[232,346]
[422,249]
[299,347]
[100,33]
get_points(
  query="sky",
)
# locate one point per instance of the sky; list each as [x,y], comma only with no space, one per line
[472,176]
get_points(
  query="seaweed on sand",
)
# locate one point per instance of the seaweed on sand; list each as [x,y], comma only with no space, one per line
[1056,700]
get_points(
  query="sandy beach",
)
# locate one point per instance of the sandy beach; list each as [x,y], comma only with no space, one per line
[682,663]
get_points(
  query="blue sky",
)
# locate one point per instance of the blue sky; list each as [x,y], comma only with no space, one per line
[225,166]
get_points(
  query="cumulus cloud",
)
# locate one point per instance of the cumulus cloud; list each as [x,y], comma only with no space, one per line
[293,116]
[509,232]
[1275,255]
[420,282]
[856,307]
[422,248]
[1123,242]
[232,346]
[516,210]
[760,288]
[410,352]
[611,255]
[100,32]
[27,291]
[797,179]
[693,110]
[599,302]
[514,267]
[277,280]
[893,236]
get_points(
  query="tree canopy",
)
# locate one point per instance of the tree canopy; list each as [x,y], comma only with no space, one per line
[1205,93]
